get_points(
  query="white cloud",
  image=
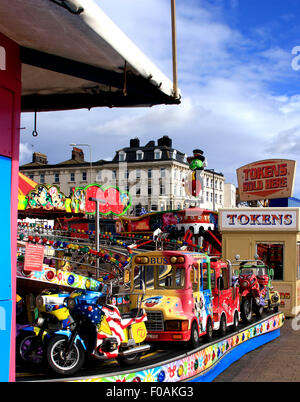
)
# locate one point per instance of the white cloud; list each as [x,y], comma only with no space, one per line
[25,153]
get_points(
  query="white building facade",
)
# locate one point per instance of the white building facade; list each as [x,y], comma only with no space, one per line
[155,175]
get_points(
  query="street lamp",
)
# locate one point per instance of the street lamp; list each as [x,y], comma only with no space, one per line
[213,174]
[90,149]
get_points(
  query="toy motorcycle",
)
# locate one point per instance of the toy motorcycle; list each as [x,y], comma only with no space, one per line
[255,290]
[103,331]
[52,317]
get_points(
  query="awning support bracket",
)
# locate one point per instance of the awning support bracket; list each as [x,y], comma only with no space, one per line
[34,132]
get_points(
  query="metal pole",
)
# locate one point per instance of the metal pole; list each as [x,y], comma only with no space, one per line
[98,201]
[174,49]
[90,149]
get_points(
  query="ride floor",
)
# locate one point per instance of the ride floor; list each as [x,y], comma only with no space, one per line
[158,364]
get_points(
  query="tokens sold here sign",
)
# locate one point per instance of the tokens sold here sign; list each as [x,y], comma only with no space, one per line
[266,179]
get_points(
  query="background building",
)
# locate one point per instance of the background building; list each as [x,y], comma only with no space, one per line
[154,174]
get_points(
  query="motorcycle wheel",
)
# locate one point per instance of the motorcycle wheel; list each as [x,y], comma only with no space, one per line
[24,352]
[61,364]
[129,360]
[259,310]
[246,310]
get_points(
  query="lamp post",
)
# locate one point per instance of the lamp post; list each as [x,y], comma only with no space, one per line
[174,49]
[98,201]
[213,174]
[90,149]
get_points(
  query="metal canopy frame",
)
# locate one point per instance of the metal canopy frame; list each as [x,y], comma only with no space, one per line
[127,90]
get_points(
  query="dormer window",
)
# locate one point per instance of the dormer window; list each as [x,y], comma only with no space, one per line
[157,154]
[122,156]
[139,155]
[174,154]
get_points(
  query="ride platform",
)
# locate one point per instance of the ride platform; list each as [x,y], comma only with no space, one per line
[203,364]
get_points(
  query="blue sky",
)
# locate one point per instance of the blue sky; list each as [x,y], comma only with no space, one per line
[240,94]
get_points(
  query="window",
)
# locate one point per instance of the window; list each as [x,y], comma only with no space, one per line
[126,174]
[114,174]
[159,276]
[174,154]
[220,185]
[122,156]
[138,189]
[99,176]
[207,182]
[83,176]
[157,154]
[149,173]
[31,176]
[207,196]
[72,176]
[220,196]
[225,278]
[204,279]
[272,256]
[162,189]
[149,190]
[170,277]
[138,173]
[56,178]
[195,277]
[144,274]
[42,178]
[211,197]
[139,155]
[162,172]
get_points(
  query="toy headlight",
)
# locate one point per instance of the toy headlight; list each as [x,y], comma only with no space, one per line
[71,303]
[40,321]
[275,298]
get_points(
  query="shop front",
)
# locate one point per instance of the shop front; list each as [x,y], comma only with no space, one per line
[272,235]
